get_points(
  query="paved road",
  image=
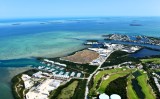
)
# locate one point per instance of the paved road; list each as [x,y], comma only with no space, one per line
[89,78]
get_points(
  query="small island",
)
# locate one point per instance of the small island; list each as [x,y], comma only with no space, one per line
[134,39]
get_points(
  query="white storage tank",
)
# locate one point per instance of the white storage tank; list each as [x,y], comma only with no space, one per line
[115,96]
[103,96]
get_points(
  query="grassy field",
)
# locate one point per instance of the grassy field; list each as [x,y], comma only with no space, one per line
[118,86]
[112,77]
[151,60]
[68,92]
[146,89]
[74,89]
[131,94]
[113,74]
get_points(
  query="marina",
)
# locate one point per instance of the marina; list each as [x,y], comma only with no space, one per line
[34,39]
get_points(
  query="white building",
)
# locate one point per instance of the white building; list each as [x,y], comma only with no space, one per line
[42,90]
[28,83]
[67,73]
[72,74]
[38,74]
[78,74]
[61,73]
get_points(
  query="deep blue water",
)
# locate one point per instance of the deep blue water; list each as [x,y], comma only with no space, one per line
[145,52]
[150,25]
[21,39]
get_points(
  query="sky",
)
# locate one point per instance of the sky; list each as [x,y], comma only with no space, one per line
[77,8]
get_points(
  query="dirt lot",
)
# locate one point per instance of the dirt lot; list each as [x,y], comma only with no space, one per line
[82,57]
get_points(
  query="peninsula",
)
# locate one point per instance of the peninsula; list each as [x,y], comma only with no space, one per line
[105,70]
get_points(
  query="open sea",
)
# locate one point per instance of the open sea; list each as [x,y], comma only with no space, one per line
[23,39]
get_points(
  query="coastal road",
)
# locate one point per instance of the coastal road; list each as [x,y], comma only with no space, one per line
[89,78]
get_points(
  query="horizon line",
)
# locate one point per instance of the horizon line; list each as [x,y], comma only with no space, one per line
[71,17]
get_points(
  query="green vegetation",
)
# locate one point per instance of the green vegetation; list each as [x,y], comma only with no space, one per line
[151,60]
[68,92]
[17,89]
[78,93]
[117,54]
[98,83]
[91,82]
[146,89]
[137,88]
[131,94]
[136,74]
[141,86]
[118,86]
[151,80]
[80,90]
[54,94]
[112,75]
[119,57]
[85,68]
[18,84]
[153,85]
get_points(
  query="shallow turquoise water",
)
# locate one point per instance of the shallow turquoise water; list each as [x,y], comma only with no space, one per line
[42,44]
[6,75]
[57,37]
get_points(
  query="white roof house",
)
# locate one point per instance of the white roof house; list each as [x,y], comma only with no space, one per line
[54,84]
[67,73]
[78,74]
[38,74]
[72,74]
[61,76]
[28,84]
[46,60]
[61,73]
[25,77]
[49,61]
[57,63]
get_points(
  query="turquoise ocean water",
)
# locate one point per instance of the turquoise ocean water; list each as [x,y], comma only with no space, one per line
[22,39]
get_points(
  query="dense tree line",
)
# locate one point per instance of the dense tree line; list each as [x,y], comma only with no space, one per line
[151,81]
[118,86]
[88,69]
[79,91]
[54,94]
[138,89]
[119,57]
[91,82]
